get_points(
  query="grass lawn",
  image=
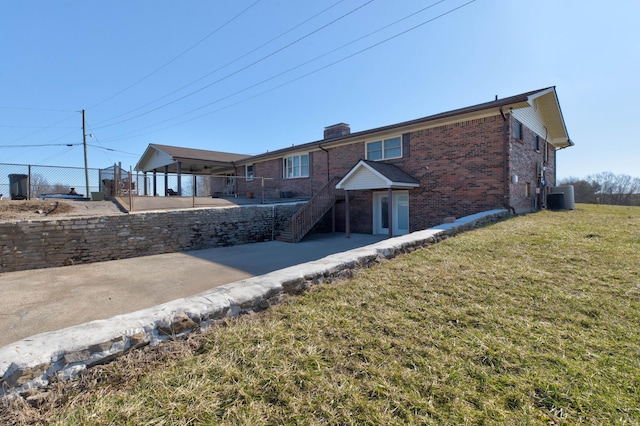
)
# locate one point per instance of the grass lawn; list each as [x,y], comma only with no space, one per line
[534,320]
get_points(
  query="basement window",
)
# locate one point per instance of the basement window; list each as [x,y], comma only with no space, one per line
[384,149]
[296,166]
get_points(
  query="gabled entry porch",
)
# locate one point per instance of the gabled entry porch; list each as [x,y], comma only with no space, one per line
[390,186]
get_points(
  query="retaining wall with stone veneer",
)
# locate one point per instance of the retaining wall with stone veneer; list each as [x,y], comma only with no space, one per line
[32,362]
[61,242]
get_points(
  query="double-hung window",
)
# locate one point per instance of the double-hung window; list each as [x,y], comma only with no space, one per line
[384,149]
[249,172]
[296,166]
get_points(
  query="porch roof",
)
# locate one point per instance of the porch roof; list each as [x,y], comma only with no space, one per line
[369,175]
[156,157]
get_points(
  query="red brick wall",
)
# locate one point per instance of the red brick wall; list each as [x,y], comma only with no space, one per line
[459,166]
[460,170]
[275,183]
[524,163]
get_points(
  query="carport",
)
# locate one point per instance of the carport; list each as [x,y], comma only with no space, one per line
[177,160]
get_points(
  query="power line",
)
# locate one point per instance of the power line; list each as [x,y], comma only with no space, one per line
[318,57]
[44,128]
[112,150]
[35,127]
[307,62]
[35,109]
[241,69]
[177,57]
[59,154]
[227,64]
[39,145]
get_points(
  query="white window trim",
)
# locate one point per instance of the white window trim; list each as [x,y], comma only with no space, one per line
[246,172]
[299,156]
[383,140]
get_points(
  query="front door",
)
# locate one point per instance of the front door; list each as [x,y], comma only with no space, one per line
[400,213]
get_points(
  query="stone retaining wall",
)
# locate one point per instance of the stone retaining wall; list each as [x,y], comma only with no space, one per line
[31,363]
[60,242]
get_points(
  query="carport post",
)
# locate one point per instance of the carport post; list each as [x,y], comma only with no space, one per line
[179,171]
[144,179]
[166,180]
[155,184]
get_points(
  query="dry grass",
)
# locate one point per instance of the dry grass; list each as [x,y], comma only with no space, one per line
[26,209]
[530,321]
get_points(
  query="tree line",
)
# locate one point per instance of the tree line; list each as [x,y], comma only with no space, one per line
[606,188]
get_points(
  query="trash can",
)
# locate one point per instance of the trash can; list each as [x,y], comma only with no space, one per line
[97,196]
[555,201]
[18,186]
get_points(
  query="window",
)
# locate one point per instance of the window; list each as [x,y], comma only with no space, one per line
[536,142]
[527,190]
[384,149]
[519,130]
[248,172]
[546,152]
[296,166]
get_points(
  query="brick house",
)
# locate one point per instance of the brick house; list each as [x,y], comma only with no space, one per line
[499,154]
[412,175]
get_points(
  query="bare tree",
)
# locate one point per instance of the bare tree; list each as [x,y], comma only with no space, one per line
[584,191]
[39,185]
[615,189]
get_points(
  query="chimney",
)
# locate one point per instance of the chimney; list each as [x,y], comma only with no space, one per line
[337,130]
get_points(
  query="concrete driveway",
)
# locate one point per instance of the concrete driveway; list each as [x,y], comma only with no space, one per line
[42,300]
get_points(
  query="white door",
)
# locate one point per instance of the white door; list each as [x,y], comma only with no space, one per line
[400,213]
[229,185]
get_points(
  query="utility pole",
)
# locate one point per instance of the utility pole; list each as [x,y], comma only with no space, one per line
[86,165]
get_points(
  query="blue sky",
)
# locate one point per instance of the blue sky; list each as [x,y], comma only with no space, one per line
[250,76]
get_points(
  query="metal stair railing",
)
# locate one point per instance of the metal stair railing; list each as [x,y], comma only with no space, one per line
[306,218]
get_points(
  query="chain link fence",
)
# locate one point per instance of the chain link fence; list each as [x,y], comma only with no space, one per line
[25,182]
[217,186]
[220,186]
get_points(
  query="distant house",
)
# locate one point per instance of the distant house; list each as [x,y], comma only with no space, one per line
[410,176]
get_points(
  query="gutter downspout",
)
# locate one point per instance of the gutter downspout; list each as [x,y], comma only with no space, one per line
[505,168]
[320,146]
[333,207]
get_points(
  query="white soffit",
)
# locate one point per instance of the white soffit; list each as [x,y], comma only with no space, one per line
[548,105]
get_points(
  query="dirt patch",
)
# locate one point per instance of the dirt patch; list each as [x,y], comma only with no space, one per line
[16,210]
